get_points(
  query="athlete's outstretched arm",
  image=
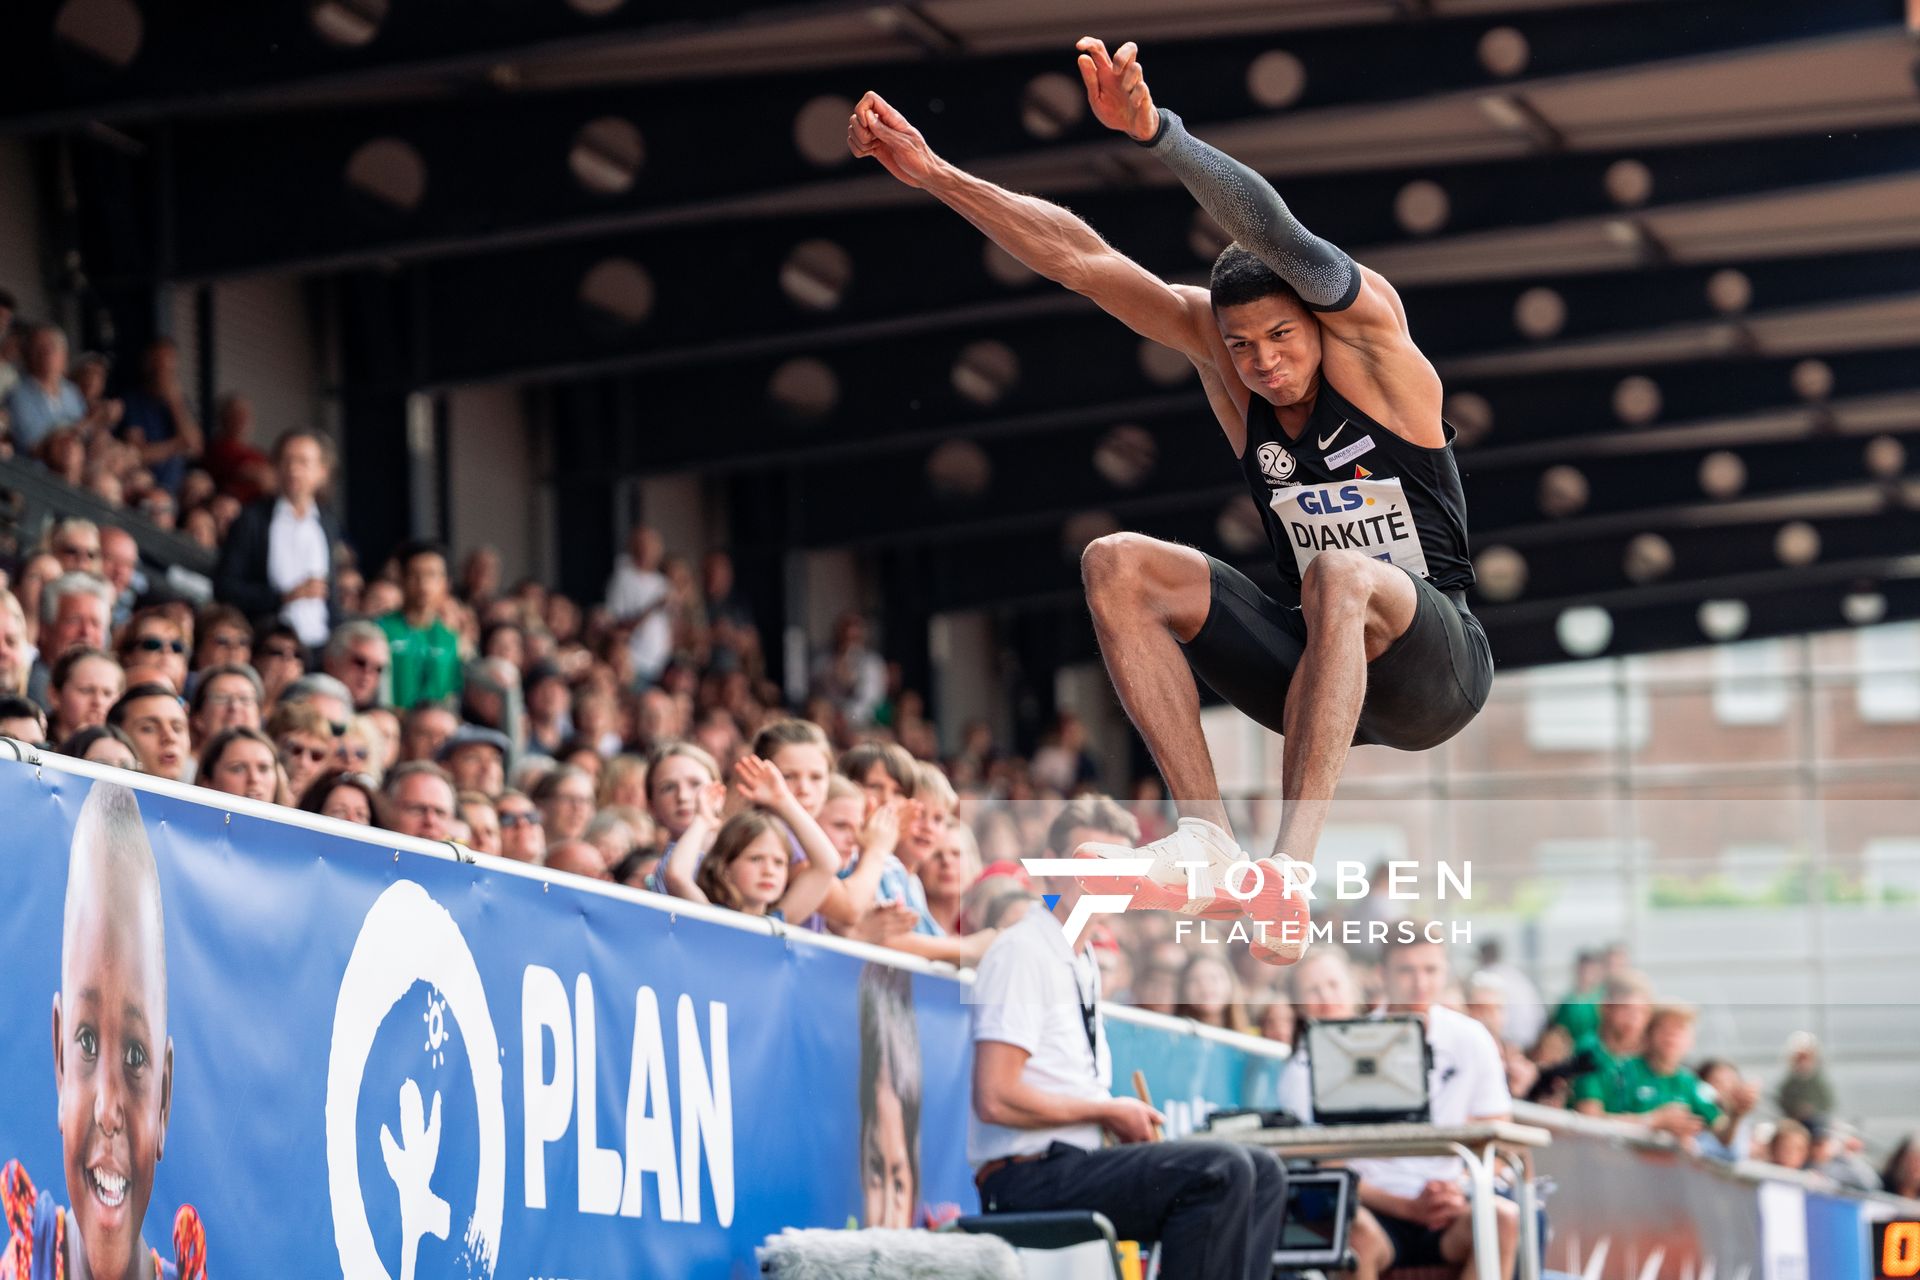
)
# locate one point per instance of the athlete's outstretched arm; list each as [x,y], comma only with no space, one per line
[1046,237]
[1244,204]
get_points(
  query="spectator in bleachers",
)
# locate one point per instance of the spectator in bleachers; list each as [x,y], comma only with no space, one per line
[120,565]
[947,873]
[477,759]
[324,694]
[153,647]
[342,794]
[304,739]
[280,659]
[85,684]
[1789,1144]
[1578,1013]
[237,465]
[1622,1035]
[549,708]
[1156,989]
[1657,1087]
[154,718]
[242,762]
[623,782]
[361,748]
[565,799]
[638,594]
[44,401]
[483,824]
[22,720]
[426,653]
[75,543]
[158,420]
[1737,1095]
[521,837]
[30,588]
[749,865]
[222,638]
[1323,986]
[1526,1013]
[75,613]
[850,674]
[358,657]
[1804,1092]
[103,744]
[1900,1176]
[1835,1153]
[425,730]
[1063,763]
[1487,1004]
[578,857]
[417,800]
[1210,995]
[16,650]
[277,561]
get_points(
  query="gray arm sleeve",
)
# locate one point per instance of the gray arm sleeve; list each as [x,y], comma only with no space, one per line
[1248,208]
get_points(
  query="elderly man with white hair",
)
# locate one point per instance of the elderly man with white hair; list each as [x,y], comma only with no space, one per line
[76,611]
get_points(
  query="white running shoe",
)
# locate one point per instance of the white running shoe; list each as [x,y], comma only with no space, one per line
[1164,887]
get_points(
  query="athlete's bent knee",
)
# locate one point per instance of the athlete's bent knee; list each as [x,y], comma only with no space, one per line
[1336,578]
[1104,565]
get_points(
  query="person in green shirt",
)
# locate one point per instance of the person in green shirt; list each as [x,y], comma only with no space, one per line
[1579,1013]
[1620,1008]
[426,657]
[1653,1087]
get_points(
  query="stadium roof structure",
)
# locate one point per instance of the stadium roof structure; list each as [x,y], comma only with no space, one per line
[1666,254]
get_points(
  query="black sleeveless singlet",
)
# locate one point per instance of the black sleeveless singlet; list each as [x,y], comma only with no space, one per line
[1348,482]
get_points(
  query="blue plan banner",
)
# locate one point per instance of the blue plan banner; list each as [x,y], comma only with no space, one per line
[353,1061]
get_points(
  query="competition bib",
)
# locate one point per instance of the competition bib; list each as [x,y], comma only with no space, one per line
[1370,516]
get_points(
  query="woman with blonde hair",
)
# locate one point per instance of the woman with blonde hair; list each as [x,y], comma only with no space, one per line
[1210,995]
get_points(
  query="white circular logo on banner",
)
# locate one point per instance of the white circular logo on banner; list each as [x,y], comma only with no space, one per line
[406,938]
[1275,462]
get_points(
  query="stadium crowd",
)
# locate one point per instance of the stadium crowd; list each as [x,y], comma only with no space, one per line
[640,740]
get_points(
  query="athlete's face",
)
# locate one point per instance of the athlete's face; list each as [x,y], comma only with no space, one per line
[1275,345]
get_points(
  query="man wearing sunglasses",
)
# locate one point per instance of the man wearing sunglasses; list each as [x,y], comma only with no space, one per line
[358,657]
[153,649]
[522,838]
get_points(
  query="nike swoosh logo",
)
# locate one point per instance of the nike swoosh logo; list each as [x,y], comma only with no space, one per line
[1335,436]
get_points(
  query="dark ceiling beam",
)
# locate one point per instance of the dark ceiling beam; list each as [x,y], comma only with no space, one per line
[200,59]
[1068,369]
[496,167]
[718,298]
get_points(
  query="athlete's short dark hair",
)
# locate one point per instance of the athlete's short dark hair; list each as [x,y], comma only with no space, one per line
[1239,277]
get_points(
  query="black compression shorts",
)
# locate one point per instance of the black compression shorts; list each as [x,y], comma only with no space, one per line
[1424,689]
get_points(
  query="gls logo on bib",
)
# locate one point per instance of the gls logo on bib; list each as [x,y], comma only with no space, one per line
[409,939]
[1370,516]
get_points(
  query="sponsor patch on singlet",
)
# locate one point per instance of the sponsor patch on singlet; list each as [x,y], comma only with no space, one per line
[1369,516]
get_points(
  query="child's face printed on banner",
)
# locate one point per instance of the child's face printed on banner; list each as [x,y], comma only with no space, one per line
[759,874]
[113,1060]
[886,1168]
[805,767]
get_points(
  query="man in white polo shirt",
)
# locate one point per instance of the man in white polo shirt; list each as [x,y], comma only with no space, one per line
[1042,1101]
[1420,1201]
